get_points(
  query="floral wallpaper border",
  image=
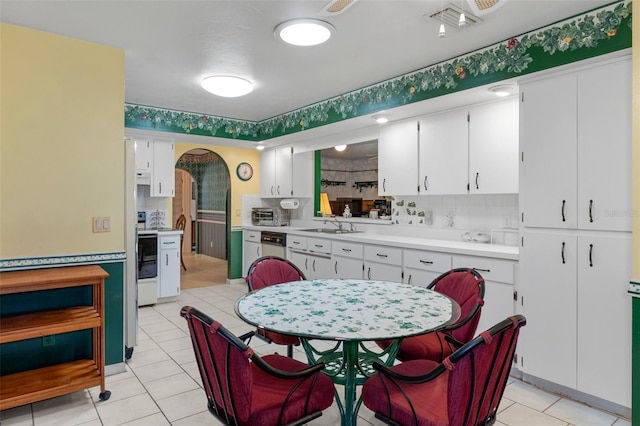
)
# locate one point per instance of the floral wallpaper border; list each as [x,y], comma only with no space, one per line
[601,31]
[73,260]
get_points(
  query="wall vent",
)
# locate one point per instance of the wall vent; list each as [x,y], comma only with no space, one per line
[336,7]
[451,14]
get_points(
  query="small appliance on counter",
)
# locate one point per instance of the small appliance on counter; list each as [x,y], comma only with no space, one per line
[269,216]
[142,220]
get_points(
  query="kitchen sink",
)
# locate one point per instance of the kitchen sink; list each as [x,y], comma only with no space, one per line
[330,231]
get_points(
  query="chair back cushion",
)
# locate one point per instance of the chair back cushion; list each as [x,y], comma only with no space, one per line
[272,270]
[479,373]
[224,368]
[466,287]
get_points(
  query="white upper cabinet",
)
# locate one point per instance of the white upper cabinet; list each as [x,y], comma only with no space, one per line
[398,159]
[144,155]
[575,136]
[494,148]
[443,153]
[155,158]
[604,147]
[276,172]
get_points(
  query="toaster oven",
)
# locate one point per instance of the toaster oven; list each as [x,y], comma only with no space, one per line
[269,216]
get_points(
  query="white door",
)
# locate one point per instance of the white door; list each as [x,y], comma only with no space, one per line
[604,317]
[548,138]
[547,298]
[444,153]
[494,148]
[251,250]
[382,272]
[604,151]
[398,159]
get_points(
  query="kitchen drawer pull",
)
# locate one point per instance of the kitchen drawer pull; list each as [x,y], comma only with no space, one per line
[563,260]
[167,260]
[384,184]
[426,262]
[278,190]
[319,245]
[591,211]
[381,255]
[258,250]
[409,280]
[160,187]
[168,242]
[591,255]
[477,176]
[313,266]
[296,242]
[482,270]
[346,250]
[306,264]
[563,204]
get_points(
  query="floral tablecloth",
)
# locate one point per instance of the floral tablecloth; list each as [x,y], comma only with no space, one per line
[345,309]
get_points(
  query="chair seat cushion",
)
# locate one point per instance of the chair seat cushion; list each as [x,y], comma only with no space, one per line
[269,392]
[429,399]
[430,346]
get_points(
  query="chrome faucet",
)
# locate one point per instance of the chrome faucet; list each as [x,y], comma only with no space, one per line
[335,222]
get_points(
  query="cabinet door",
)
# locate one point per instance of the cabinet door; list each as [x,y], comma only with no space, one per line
[547,298]
[382,272]
[604,317]
[303,172]
[163,177]
[169,265]
[144,155]
[444,153]
[419,277]
[398,159]
[345,267]
[299,259]
[604,153]
[251,250]
[318,267]
[268,173]
[548,137]
[284,172]
[493,148]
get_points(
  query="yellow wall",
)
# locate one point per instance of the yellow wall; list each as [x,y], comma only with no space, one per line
[61,144]
[232,156]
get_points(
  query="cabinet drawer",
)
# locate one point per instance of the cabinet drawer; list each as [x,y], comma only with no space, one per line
[427,260]
[497,270]
[296,242]
[382,254]
[319,245]
[169,242]
[251,236]
[345,249]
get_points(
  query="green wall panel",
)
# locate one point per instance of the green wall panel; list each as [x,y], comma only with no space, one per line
[635,361]
[235,254]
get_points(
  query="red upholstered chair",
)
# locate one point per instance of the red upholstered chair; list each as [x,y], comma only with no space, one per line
[245,389]
[464,390]
[466,287]
[271,270]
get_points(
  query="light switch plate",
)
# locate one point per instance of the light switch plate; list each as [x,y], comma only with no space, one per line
[101,224]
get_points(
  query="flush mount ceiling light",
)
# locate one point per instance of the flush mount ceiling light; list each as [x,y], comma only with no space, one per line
[503,90]
[340,147]
[227,86]
[381,118]
[304,32]
[260,147]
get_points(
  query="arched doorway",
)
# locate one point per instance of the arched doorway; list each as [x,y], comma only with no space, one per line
[203,195]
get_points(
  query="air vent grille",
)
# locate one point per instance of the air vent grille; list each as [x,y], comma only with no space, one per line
[451,14]
[336,7]
[486,4]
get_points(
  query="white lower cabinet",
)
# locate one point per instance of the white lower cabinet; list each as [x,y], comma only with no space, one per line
[347,259]
[572,291]
[499,279]
[421,267]
[311,255]
[383,263]
[169,265]
[251,248]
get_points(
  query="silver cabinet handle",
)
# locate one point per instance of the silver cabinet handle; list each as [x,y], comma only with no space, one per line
[426,262]
[346,250]
[335,267]
[591,255]
[369,273]
[563,259]
[425,183]
[381,255]
[384,184]
[313,265]
[410,277]
[591,211]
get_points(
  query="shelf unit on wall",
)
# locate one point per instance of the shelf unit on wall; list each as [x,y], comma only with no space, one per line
[46,382]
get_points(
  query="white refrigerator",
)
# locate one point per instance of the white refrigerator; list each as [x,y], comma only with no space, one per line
[131,246]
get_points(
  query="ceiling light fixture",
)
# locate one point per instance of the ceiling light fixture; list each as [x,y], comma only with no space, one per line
[462,22]
[304,32]
[381,118]
[340,147]
[227,86]
[503,90]
[260,147]
[443,31]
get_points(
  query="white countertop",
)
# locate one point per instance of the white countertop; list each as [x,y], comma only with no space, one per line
[369,237]
[164,231]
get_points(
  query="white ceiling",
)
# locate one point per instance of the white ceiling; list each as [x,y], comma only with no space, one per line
[171,45]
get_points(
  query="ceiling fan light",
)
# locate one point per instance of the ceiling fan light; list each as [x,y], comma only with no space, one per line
[304,32]
[340,147]
[227,86]
[462,22]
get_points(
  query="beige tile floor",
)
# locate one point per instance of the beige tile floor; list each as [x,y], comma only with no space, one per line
[161,385]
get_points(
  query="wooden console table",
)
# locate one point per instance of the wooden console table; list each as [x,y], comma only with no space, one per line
[42,383]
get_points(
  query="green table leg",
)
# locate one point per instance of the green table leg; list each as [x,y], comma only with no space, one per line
[350,353]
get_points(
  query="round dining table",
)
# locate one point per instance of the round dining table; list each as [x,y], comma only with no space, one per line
[348,313]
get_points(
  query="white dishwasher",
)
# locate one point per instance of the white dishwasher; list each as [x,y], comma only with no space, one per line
[273,243]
